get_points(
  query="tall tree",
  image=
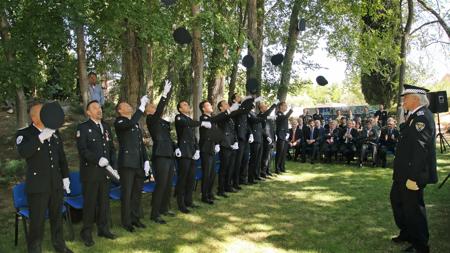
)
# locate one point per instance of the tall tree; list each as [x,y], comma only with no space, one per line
[197,61]
[82,66]
[252,34]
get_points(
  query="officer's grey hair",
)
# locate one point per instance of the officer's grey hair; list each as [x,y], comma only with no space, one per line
[423,99]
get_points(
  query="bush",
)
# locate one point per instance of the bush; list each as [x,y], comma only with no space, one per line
[12,169]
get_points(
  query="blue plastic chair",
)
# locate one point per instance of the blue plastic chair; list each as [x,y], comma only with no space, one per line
[198,172]
[149,187]
[22,211]
[75,198]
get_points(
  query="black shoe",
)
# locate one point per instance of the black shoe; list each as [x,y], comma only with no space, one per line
[269,174]
[263,176]
[230,190]
[252,182]
[193,205]
[409,249]
[212,197]
[107,235]
[237,187]
[184,210]
[129,228]
[207,201]
[244,183]
[64,250]
[169,213]
[399,239]
[87,240]
[158,220]
[222,194]
[138,224]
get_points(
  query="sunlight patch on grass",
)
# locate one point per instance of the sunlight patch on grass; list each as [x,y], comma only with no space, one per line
[243,246]
[323,198]
[194,218]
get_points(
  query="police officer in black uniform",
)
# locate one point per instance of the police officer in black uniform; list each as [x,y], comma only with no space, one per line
[228,146]
[209,146]
[46,177]
[188,152]
[162,156]
[96,149]
[268,140]
[133,163]
[282,131]
[414,168]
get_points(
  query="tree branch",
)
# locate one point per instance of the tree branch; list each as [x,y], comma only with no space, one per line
[438,17]
[422,25]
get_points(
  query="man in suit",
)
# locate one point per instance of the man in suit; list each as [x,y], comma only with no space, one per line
[388,140]
[382,116]
[188,152]
[209,147]
[163,158]
[295,140]
[348,140]
[96,149]
[46,177]
[331,141]
[268,136]
[133,162]
[312,141]
[228,146]
[367,142]
[256,129]
[414,168]
[282,133]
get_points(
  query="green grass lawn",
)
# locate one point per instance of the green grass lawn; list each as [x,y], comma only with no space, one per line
[312,208]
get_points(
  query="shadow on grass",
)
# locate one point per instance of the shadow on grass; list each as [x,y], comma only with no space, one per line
[312,208]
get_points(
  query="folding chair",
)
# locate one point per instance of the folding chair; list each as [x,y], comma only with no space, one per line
[198,172]
[74,199]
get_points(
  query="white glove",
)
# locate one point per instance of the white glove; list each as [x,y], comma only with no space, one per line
[206,124]
[287,136]
[66,184]
[272,117]
[259,99]
[217,148]
[235,146]
[177,152]
[147,168]
[251,139]
[196,155]
[277,101]
[167,87]
[234,107]
[103,162]
[113,172]
[46,134]
[144,102]
[269,140]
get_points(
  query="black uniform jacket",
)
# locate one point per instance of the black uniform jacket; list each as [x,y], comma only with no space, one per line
[282,124]
[187,142]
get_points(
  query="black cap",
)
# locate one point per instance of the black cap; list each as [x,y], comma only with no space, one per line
[248,61]
[411,89]
[321,81]
[301,26]
[277,59]
[252,85]
[52,115]
[168,2]
[182,36]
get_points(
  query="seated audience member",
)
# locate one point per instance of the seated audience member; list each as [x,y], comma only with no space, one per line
[295,140]
[311,136]
[367,143]
[388,140]
[331,141]
[348,140]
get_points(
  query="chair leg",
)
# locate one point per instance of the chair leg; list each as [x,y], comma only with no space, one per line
[16,235]
[196,183]
[25,229]
[69,220]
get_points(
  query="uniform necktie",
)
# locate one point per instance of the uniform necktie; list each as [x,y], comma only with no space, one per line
[100,127]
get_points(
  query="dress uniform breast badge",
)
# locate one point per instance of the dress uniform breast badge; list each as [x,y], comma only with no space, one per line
[107,135]
[420,126]
[19,139]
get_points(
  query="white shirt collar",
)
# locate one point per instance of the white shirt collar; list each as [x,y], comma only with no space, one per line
[40,130]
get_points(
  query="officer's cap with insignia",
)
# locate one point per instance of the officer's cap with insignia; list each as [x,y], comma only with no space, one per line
[411,89]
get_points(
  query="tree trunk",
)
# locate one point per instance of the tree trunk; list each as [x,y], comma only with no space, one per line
[197,63]
[133,72]
[149,72]
[82,66]
[289,53]
[234,71]
[252,35]
[21,101]
[438,17]
[404,41]
[259,42]
[216,78]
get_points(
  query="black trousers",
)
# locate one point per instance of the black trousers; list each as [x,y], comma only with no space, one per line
[329,149]
[239,173]
[383,151]
[280,157]
[243,176]
[311,150]
[131,183]
[348,150]
[367,148]
[208,174]
[163,171]
[227,160]
[185,182]
[266,157]
[38,204]
[96,207]
[410,215]
[254,167]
